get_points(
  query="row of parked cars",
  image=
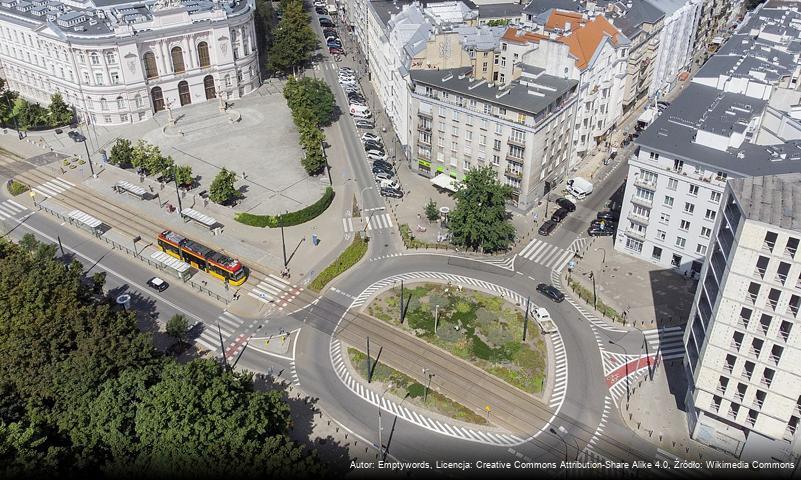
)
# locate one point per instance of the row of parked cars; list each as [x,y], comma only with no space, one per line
[605,224]
[357,103]
[332,40]
[565,207]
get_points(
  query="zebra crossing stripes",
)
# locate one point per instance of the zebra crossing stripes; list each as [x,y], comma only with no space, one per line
[347,224]
[379,222]
[668,342]
[275,290]
[52,187]
[589,316]
[210,336]
[579,244]
[390,406]
[560,373]
[546,254]
[10,209]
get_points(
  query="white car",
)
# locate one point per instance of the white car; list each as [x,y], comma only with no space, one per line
[371,136]
[374,155]
[383,176]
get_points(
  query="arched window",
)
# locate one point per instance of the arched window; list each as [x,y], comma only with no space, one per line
[227,80]
[203,54]
[157,98]
[183,93]
[177,60]
[208,85]
[110,58]
[138,101]
[120,103]
[103,104]
[95,58]
[151,70]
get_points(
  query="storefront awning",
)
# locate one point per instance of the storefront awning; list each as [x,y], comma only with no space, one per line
[444,181]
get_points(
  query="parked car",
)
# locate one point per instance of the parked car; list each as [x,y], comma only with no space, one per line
[370,136]
[384,164]
[321,10]
[373,146]
[351,87]
[336,51]
[551,292]
[547,227]
[559,215]
[391,192]
[333,42]
[76,136]
[381,169]
[346,69]
[608,215]
[324,22]
[356,96]
[364,123]
[383,176]
[566,204]
[598,231]
[374,155]
[326,31]
[158,284]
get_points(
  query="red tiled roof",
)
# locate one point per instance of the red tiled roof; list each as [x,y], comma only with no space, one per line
[514,35]
[584,41]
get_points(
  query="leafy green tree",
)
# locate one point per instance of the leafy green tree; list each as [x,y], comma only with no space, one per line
[222,188]
[293,39]
[60,113]
[30,115]
[143,153]
[313,94]
[7,99]
[263,20]
[177,326]
[121,153]
[28,242]
[24,448]
[479,220]
[432,213]
[98,282]
[184,175]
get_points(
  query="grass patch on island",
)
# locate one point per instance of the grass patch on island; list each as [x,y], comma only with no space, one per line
[403,385]
[16,188]
[347,259]
[483,329]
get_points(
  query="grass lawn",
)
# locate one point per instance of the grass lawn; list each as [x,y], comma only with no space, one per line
[483,329]
[347,259]
[403,385]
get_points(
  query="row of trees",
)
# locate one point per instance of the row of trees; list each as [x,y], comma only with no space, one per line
[83,393]
[150,160]
[312,106]
[27,115]
[293,39]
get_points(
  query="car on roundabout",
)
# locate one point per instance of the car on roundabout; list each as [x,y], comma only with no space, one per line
[551,292]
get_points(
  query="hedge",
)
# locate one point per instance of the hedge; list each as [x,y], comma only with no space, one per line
[289,219]
[15,188]
[347,259]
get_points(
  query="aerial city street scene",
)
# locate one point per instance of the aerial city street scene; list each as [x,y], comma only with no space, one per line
[401,239]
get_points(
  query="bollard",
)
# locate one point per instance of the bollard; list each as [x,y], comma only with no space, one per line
[638,425]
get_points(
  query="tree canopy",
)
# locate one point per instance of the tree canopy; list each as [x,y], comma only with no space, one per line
[121,153]
[313,94]
[293,39]
[222,189]
[32,115]
[479,220]
[83,392]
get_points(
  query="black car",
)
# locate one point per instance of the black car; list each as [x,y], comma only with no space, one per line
[566,204]
[608,215]
[324,22]
[559,215]
[381,169]
[597,231]
[321,10]
[374,146]
[391,192]
[551,292]
[547,227]
[383,164]
[76,136]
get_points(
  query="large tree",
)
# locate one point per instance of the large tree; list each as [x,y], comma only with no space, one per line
[293,39]
[60,113]
[121,153]
[313,94]
[479,221]
[222,189]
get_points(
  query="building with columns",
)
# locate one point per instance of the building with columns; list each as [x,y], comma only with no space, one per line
[120,62]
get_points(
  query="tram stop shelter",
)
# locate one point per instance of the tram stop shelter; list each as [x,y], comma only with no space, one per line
[189,214]
[172,265]
[126,187]
[86,221]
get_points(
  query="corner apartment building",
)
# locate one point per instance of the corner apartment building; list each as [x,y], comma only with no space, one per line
[743,343]
[718,128]
[522,129]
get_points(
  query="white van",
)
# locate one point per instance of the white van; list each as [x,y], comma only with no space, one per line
[360,111]
[544,320]
[579,187]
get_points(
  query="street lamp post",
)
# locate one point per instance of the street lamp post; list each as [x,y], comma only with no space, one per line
[553,431]
[428,383]
[603,260]
[177,193]
[88,157]
[436,318]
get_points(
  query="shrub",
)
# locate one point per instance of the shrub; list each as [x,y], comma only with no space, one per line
[15,187]
[289,219]
[416,390]
[347,259]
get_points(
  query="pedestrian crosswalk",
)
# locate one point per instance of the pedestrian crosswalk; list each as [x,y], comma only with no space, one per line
[667,342]
[210,336]
[546,254]
[276,291]
[347,224]
[10,209]
[379,222]
[52,187]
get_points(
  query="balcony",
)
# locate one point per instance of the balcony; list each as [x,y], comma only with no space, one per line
[637,218]
[515,160]
[766,381]
[423,128]
[516,142]
[643,202]
[643,184]
[422,141]
[634,233]
[512,173]
[427,115]
[736,346]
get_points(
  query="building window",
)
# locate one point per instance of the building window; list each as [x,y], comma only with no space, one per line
[714,196]
[700,249]
[482,140]
[497,145]
[633,244]
[694,190]
[454,146]
[689,207]
[103,105]
[111,59]
[138,101]
[95,58]
[124,118]
[681,242]
[685,225]
[98,79]
[455,115]
[120,103]
[678,166]
[151,70]
[657,253]
[673,184]
[107,118]
[706,232]
[468,135]
[664,218]
[177,60]
[455,130]
[710,214]
[496,160]
[668,201]
[115,78]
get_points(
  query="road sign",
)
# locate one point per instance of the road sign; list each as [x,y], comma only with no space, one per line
[32,194]
[488,408]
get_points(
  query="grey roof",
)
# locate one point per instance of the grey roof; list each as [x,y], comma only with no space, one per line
[386,8]
[500,10]
[669,7]
[481,38]
[774,199]
[630,23]
[538,7]
[700,107]
[518,98]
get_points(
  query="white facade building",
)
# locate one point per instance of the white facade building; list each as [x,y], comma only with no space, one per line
[118,63]
[521,130]
[743,344]
[676,41]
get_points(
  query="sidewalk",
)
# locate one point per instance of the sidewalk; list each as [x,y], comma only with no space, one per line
[656,412]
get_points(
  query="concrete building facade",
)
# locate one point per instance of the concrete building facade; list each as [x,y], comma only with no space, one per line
[676,41]
[117,64]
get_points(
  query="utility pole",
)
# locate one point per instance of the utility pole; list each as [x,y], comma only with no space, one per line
[525,320]
[401,303]
[60,245]
[380,427]
[88,157]
[594,297]
[177,193]
[436,318]
[283,244]
[428,383]
[327,165]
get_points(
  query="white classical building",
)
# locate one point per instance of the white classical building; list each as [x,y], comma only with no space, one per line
[743,341]
[119,62]
[676,41]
